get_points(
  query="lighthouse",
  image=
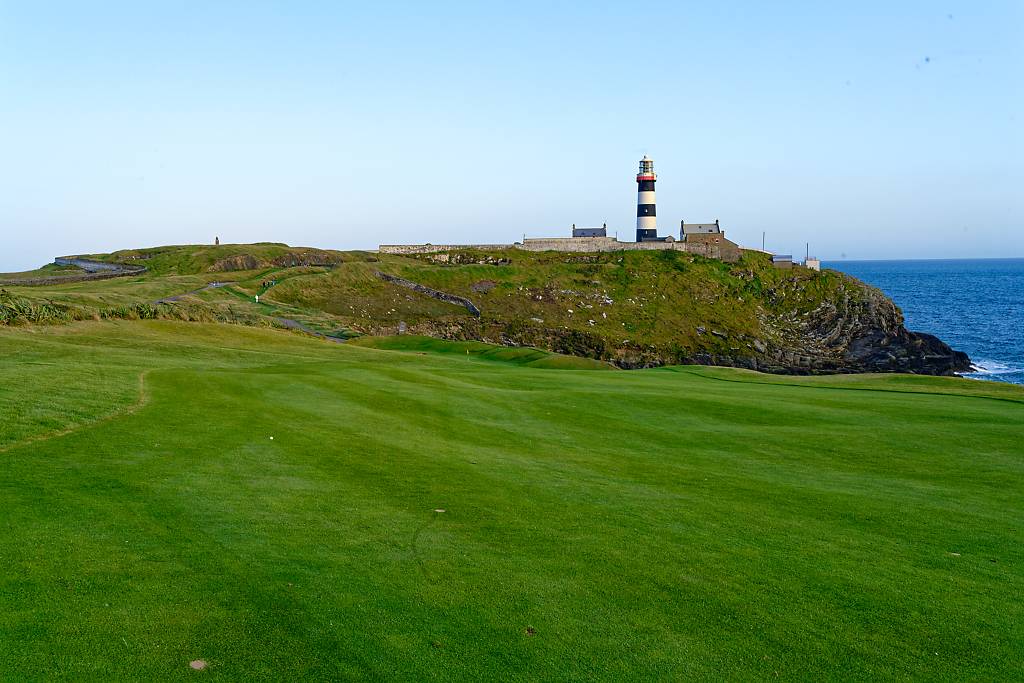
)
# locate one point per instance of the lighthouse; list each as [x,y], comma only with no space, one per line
[646,227]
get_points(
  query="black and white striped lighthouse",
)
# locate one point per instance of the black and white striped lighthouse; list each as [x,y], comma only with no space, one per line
[646,221]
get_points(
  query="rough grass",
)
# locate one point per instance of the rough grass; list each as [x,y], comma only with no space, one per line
[681,523]
[667,304]
[627,298]
[199,258]
[174,272]
[49,270]
[535,358]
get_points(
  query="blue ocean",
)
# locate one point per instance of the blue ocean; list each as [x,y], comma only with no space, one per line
[974,305]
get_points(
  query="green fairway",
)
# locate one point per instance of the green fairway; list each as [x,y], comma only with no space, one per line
[284,507]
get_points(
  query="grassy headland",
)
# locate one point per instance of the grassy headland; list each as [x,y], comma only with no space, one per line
[635,309]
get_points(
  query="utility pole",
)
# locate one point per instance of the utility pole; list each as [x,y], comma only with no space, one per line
[762,240]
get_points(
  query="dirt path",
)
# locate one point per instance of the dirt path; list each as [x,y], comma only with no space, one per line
[179,297]
[296,325]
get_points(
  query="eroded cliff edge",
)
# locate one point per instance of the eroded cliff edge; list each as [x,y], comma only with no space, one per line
[861,330]
[647,310]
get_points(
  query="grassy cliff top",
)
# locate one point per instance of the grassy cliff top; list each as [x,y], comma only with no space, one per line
[200,258]
[631,307]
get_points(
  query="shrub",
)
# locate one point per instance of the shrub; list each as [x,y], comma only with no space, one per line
[19,310]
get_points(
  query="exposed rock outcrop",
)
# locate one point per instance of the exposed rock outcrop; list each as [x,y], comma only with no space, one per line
[858,329]
[238,262]
[308,257]
[433,293]
[293,259]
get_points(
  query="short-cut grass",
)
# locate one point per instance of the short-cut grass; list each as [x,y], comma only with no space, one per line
[283,507]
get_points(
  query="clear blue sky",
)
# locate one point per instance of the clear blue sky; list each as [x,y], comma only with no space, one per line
[870,129]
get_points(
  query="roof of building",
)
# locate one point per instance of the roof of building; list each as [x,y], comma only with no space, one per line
[782,257]
[589,232]
[701,227]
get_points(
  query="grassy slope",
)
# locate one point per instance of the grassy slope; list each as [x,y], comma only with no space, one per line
[676,523]
[645,297]
[634,300]
[176,271]
[534,358]
[49,270]
[196,258]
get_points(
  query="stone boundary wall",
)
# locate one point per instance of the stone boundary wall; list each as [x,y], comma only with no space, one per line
[60,279]
[95,270]
[91,266]
[725,250]
[597,244]
[433,293]
[580,244]
[436,248]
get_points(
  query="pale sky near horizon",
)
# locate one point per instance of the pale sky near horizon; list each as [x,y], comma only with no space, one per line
[870,130]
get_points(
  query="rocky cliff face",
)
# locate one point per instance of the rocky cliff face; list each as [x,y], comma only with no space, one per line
[861,330]
[291,259]
[855,329]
